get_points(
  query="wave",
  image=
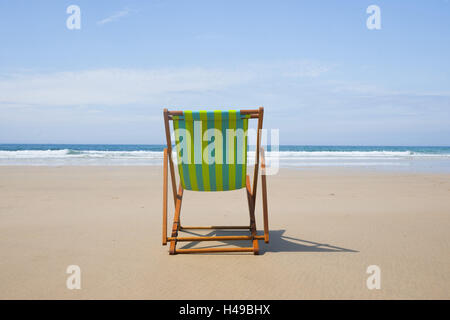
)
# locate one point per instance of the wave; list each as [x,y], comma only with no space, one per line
[349,154]
[143,154]
[424,158]
[33,153]
[69,153]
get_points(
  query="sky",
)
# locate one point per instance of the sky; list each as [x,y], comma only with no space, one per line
[322,76]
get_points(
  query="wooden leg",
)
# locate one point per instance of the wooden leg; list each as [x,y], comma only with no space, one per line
[172,176]
[264,196]
[176,220]
[164,226]
[266,218]
[249,195]
[251,206]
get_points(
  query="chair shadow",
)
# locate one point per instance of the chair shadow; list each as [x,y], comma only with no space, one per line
[278,243]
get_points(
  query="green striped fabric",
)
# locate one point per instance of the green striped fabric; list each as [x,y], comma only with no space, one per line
[211,149]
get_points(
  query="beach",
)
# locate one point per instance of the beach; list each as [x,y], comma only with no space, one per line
[328,225]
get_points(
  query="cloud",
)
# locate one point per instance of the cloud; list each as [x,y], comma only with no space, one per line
[116,16]
[111,86]
[127,102]
[121,86]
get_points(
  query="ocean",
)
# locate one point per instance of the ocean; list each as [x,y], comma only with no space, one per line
[400,158]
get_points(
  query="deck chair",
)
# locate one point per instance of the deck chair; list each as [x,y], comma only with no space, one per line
[211,148]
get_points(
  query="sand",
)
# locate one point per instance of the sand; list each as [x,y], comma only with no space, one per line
[327,227]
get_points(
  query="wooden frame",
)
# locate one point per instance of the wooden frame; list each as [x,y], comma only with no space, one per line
[251,198]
